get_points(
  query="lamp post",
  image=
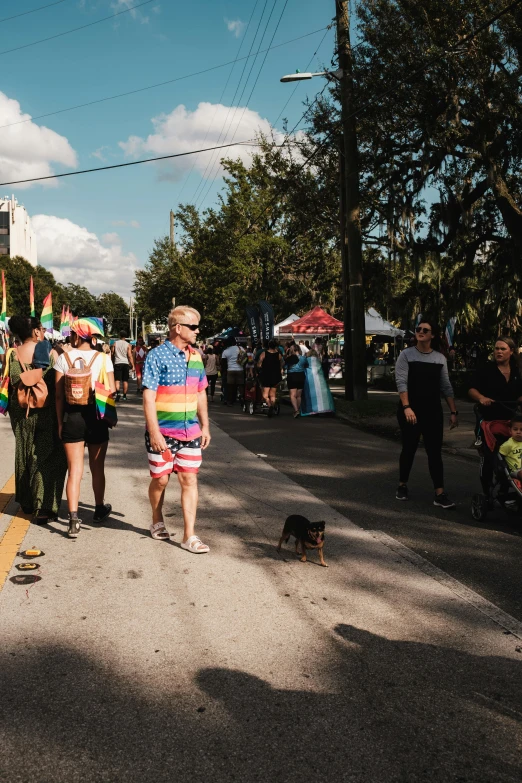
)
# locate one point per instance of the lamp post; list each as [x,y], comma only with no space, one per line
[351,238]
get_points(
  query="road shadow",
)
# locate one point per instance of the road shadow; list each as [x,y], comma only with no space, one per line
[394,711]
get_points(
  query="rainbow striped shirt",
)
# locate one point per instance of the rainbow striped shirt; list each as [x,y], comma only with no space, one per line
[176,384]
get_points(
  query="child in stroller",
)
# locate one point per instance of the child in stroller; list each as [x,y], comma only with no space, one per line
[253,399]
[500,467]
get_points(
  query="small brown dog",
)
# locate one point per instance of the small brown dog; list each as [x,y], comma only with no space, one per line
[309,534]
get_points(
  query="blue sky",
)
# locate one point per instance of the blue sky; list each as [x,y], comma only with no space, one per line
[96,228]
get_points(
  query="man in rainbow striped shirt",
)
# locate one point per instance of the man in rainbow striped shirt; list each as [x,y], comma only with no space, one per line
[176,413]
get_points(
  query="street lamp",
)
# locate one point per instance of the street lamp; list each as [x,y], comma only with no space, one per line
[350,225]
[299,77]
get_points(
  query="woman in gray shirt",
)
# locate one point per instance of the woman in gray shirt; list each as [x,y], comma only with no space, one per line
[422,378]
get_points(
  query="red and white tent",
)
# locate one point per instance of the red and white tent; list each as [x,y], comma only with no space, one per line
[316,322]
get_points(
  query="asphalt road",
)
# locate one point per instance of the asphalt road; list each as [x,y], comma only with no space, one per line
[356,473]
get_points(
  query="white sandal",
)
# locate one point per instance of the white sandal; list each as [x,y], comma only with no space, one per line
[195,544]
[159,531]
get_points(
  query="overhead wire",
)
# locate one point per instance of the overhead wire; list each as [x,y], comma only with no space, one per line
[201,185]
[253,88]
[473,34]
[76,29]
[220,98]
[158,84]
[32,11]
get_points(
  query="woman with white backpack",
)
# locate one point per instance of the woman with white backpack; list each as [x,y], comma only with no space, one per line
[85,390]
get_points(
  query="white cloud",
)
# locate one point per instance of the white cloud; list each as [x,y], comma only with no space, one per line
[122,5]
[235,26]
[131,223]
[99,153]
[183,131]
[75,255]
[112,238]
[27,150]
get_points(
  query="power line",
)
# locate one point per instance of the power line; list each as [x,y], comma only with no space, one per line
[200,186]
[255,82]
[123,165]
[32,11]
[220,97]
[158,84]
[75,29]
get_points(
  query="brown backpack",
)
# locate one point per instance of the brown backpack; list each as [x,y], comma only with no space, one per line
[31,390]
[78,381]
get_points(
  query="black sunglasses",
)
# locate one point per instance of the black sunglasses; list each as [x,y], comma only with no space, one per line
[194,327]
[422,329]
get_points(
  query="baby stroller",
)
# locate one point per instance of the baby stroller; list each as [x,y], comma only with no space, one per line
[499,489]
[253,399]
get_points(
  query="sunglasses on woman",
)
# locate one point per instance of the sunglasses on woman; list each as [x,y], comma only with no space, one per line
[190,326]
[422,329]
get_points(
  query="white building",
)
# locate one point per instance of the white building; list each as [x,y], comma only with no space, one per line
[16,233]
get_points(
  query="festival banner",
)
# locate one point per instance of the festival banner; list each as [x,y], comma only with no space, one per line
[450,332]
[47,313]
[31,298]
[267,320]
[253,315]
[3,314]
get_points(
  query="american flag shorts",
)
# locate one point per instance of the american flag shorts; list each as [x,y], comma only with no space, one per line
[180,456]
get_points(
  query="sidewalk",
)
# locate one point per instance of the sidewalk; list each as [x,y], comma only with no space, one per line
[133,660]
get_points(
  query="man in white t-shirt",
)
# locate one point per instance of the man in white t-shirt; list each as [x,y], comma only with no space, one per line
[235,372]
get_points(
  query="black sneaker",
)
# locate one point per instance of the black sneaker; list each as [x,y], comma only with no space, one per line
[74,526]
[402,492]
[117,397]
[102,512]
[124,397]
[443,501]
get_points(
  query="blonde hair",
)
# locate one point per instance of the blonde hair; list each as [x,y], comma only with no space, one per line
[179,313]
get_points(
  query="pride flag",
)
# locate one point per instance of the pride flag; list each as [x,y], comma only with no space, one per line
[31,298]
[64,322]
[47,313]
[3,314]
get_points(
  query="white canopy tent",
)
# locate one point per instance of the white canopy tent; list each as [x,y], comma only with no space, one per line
[279,328]
[375,324]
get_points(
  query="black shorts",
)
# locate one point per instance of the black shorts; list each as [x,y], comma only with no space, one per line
[82,425]
[121,372]
[295,380]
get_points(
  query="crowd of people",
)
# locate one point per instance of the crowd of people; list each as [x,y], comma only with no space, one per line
[62,397]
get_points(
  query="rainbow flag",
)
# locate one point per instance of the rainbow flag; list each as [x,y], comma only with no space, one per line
[47,313]
[64,323]
[31,298]
[3,314]
[105,404]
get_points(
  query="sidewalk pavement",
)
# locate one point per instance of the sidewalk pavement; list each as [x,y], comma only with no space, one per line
[134,660]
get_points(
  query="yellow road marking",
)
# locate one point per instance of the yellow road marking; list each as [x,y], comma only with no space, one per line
[13,537]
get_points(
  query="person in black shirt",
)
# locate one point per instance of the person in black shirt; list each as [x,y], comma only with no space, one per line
[498,382]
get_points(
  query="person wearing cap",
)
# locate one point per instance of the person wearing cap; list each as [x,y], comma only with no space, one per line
[79,425]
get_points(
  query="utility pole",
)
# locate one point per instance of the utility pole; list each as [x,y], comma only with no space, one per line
[347,347]
[172,229]
[352,205]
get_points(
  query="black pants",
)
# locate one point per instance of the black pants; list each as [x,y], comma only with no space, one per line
[430,424]
[212,384]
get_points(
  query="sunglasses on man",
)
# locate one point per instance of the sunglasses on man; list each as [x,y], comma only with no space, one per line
[422,329]
[193,327]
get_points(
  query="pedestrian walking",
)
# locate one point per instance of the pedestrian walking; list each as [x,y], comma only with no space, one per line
[210,362]
[79,422]
[40,464]
[140,354]
[123,363]
[176,415]
[270,364]
[422,377]
[296,365]
[235,371]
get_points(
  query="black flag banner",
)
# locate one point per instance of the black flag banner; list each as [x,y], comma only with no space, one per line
[252,314]
[267,320]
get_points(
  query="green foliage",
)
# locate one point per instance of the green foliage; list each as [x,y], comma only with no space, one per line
[113,308]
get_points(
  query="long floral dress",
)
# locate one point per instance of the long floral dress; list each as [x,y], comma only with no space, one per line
[40,462]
